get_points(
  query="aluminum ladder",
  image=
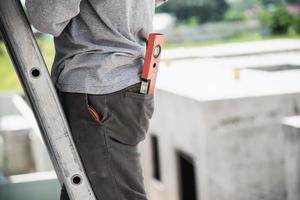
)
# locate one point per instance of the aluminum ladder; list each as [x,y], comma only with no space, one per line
[34,76]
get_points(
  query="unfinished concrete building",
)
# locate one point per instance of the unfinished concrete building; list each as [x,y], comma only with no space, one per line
[216,133]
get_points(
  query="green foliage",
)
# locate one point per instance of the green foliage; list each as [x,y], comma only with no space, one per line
[193,21]
[234,15]
[212,10]
[278,20]
[8,77]
[296,24]
[295,28]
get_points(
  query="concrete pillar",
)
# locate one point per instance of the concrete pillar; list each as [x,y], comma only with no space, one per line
[17,153]
[291,126]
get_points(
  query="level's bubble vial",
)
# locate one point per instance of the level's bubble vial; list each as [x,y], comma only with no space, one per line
[157,51]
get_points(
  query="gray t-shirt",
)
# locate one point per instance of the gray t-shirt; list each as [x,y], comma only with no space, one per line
[100,44]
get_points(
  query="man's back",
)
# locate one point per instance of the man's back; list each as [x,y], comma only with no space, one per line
[101,49]
[107,40]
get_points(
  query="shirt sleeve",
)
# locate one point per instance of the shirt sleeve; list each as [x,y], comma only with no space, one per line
[159,2]
[52,16]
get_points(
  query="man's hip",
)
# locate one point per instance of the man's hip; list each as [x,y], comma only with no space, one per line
[106,130]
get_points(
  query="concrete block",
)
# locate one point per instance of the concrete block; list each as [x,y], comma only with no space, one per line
[291,127]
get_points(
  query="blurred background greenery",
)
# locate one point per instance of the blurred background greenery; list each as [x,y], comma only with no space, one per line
[9,80]
[198,23]
[280,16]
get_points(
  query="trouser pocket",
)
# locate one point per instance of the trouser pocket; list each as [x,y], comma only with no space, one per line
[88,133]
[130,113]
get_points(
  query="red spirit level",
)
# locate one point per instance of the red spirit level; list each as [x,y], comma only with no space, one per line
[151,64]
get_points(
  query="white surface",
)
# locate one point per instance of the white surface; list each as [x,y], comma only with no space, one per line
[162,21]
[293,121]
[33,177]
[13,123]
[213,78]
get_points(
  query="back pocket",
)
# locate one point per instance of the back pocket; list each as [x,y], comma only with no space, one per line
[130,115]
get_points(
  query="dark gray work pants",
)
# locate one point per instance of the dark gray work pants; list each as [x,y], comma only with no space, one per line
[108,148]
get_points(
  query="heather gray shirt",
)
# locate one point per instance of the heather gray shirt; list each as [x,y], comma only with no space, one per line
[100,44]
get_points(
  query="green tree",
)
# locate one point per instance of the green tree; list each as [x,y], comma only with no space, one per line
[279,20]
[295,28]
[234,15]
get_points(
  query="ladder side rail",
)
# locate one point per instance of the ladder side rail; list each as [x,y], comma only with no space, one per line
[34,76]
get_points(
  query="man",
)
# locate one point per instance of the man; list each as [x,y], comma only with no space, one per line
[100,47]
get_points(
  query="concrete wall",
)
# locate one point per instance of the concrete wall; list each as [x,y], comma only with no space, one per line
[291,126]
[178,127]
[23,148]
[237,146]
[39,186]
[245,149]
